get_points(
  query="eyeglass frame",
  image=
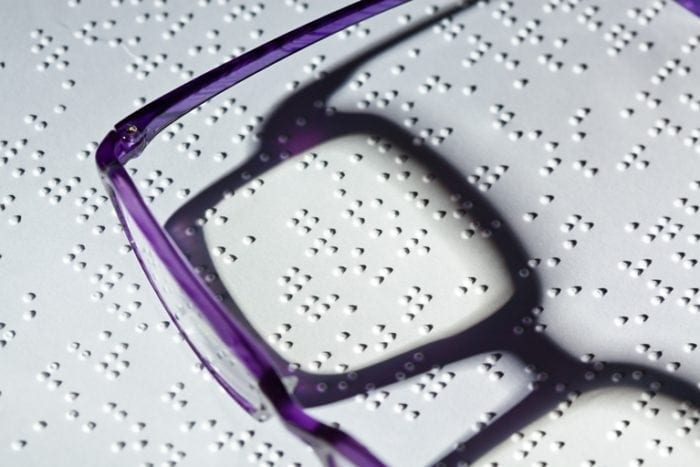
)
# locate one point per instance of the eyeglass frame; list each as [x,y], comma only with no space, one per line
[128,140]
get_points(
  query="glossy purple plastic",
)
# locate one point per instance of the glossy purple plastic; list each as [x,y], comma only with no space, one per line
[692,5]
[128,139]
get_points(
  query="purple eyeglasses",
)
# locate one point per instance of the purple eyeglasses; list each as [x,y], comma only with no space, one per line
[236,358]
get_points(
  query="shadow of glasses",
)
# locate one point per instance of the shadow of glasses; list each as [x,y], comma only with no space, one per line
[302,124]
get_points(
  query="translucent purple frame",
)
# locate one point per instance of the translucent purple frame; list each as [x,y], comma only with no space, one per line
[129,138]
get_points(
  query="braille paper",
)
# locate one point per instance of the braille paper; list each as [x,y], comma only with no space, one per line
[520,177]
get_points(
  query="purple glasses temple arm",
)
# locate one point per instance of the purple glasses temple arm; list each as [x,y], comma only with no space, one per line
[144,124]
[692,5]
[131,135]
[151,119]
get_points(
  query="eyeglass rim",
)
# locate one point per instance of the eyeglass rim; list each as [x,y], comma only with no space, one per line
[127,141]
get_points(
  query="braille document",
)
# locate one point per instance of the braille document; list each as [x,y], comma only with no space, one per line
[453,233]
